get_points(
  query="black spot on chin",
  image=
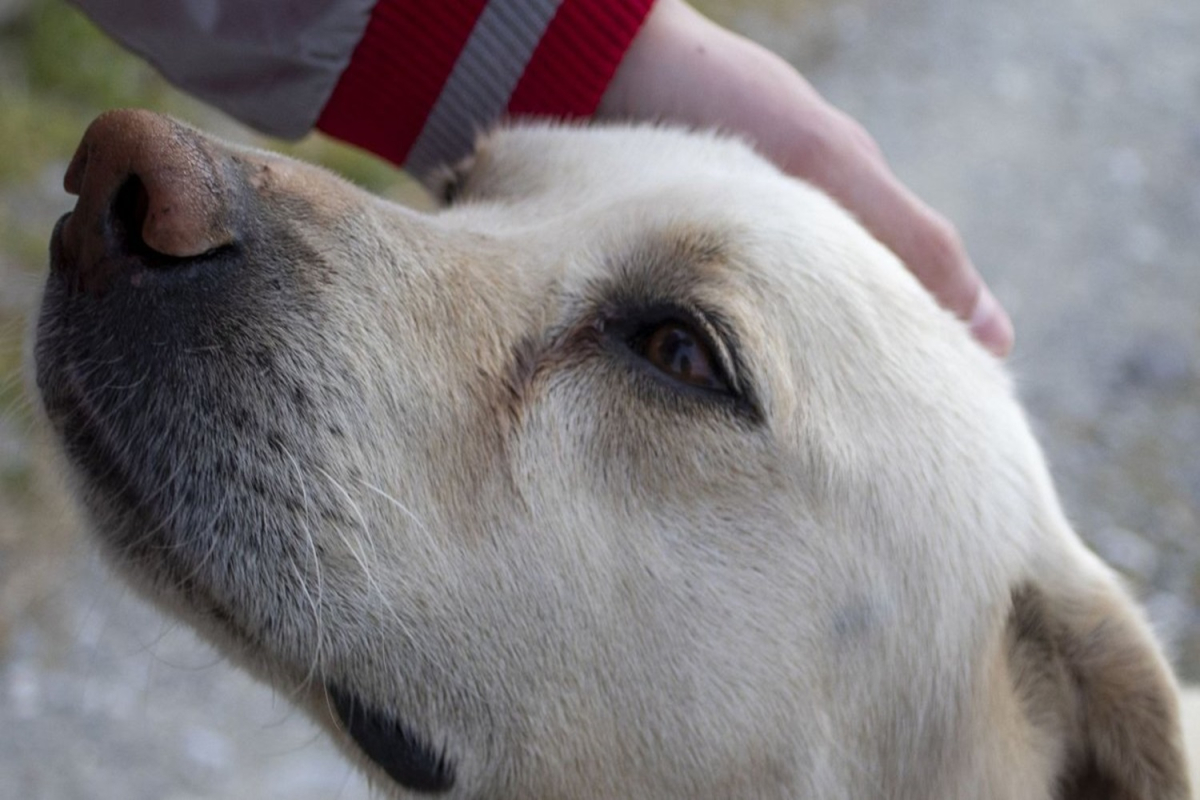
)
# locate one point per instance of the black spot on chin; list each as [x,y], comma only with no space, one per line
[410,761]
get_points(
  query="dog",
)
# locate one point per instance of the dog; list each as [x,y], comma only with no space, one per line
[639,470]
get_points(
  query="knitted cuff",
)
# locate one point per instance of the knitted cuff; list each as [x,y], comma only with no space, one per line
[427,76]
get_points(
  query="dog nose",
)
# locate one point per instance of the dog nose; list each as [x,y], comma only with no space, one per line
[147,185]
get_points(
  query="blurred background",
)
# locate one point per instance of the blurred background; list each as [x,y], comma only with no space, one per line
[1063,139]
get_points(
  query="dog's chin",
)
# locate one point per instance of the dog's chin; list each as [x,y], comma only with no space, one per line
[395,748]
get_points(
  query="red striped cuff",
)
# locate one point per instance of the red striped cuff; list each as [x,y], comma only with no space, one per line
[396,73]
[408,50]
[576,59]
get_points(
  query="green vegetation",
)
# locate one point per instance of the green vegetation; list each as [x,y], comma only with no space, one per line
[67,57]
[57,72]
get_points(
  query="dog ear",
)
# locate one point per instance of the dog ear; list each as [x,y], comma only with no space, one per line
[448,182]
[1091,679]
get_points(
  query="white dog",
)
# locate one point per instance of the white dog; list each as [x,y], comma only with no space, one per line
[640,471]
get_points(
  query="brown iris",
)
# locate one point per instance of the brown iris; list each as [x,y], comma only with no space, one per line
[680,353]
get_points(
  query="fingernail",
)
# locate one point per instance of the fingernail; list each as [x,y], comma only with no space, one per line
[991,325]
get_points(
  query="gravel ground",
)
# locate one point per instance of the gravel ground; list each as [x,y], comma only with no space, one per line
[1062,138]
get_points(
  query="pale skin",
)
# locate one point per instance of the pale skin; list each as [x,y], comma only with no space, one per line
[685,68]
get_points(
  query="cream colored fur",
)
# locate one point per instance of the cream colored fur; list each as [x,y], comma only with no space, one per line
[577,580]
[1190,713]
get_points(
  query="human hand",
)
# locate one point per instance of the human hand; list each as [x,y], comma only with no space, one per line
[685,68]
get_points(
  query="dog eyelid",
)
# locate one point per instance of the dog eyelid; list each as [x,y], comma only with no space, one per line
[725,361]
[678,325]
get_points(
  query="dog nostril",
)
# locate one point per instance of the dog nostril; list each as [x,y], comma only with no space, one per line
[129,210]
[148,187]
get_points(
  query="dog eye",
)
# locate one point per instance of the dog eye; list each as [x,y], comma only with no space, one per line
[680,353]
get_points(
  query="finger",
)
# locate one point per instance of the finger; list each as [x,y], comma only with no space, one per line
[933,251]
[841,158]
[990,323]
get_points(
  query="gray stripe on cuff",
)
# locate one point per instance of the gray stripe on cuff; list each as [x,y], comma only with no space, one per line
[482,80]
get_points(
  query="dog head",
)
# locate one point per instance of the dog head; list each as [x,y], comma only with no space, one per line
[640,470]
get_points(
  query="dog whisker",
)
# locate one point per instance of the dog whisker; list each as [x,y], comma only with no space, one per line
[314,601]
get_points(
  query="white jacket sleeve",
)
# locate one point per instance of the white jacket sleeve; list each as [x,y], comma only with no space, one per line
[269,63]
